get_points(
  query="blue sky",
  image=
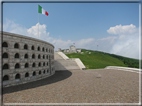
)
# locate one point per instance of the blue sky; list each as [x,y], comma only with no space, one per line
[70,23]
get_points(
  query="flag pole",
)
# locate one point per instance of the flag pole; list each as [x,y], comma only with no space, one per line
[42,11]
[38,24]
[38,20]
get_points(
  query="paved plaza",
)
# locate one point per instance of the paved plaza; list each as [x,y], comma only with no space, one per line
[78,86]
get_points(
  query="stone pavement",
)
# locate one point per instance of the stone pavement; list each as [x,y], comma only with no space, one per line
[78,86]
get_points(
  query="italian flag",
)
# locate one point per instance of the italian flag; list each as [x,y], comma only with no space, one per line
[42,11]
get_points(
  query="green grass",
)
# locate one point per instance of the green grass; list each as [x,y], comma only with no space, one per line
[99,59]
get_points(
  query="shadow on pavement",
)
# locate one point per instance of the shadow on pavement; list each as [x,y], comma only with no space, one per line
[58,76]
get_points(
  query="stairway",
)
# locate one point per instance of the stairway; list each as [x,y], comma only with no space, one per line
[62,64]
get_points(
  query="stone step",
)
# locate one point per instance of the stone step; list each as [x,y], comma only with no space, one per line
[57,56]
[62,64]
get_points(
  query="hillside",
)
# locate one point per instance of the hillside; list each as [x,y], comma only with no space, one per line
[96,59]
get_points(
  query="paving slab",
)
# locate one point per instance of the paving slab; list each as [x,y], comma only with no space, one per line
[78,86]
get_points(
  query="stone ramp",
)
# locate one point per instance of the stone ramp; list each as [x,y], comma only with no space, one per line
[62,64]
[124,68]
[57,56]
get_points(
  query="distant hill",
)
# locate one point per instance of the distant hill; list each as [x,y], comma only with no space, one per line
[96,59]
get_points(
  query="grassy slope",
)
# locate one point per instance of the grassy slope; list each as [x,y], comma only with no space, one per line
[127,61]
[96,59]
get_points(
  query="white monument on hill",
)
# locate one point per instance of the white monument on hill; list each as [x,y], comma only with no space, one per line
[72,49]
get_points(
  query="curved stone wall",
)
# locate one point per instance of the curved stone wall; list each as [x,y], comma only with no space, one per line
[25,59]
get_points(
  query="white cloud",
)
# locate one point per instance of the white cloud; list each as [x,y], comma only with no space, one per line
[38,30]
[11,26]
[125,29]
[125,42]
[59,43]
[105,44]
[85,43]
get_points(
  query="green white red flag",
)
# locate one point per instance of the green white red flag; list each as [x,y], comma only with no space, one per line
[42,11]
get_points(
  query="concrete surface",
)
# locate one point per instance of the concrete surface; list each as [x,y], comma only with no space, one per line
[62,55]
[78,86]
[80,64]
[62,64]
[124,68]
